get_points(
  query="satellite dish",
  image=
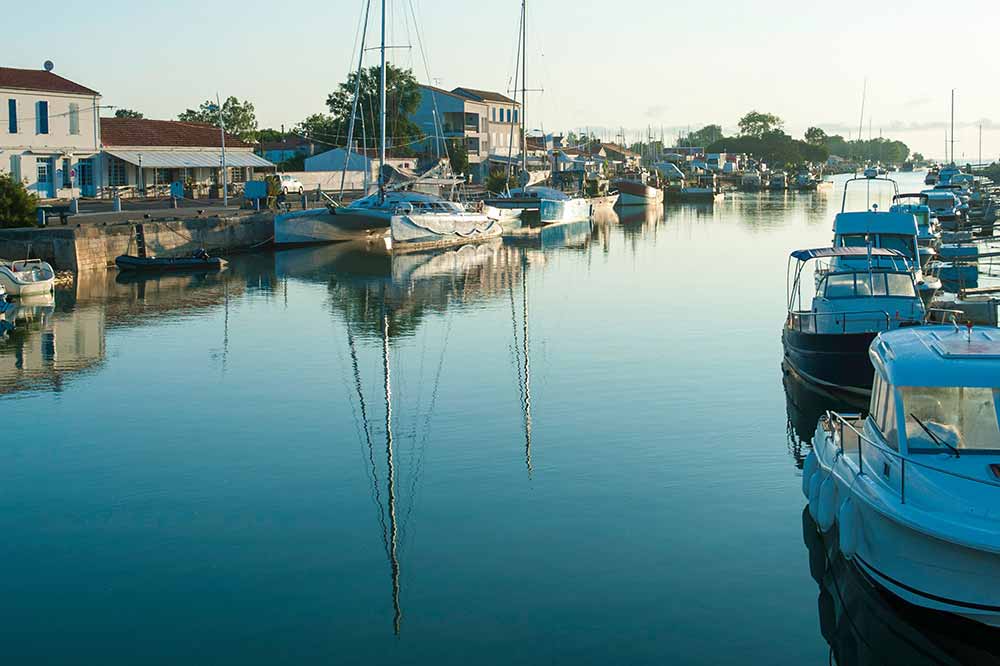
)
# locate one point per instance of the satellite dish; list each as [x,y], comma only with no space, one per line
[49,66]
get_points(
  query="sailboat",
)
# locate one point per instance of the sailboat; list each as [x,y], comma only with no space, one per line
[543,205]
[396,216]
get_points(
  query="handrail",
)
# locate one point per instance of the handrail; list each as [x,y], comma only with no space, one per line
[903,460]
[802,314]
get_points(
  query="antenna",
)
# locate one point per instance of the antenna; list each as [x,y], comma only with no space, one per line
[49,66]
[864,94]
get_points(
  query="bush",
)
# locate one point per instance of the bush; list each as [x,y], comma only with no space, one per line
[17,205]
[497,181]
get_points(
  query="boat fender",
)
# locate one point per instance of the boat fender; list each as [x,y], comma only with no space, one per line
[827,509]
[814,485]
[847,519]
[808,468]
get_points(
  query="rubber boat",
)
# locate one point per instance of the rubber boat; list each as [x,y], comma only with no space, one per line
[912,491]
[200,260]
[27,277]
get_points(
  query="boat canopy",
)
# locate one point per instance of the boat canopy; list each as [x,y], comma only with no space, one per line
[824,252]
[872,222]
[922,196]
[939,356]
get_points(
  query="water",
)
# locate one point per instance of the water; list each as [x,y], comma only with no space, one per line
[593,460]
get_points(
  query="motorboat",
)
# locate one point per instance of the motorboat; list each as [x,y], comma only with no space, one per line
[946,174]
[946,208]
[928,233]
[912,491]
[545,205]
[827,343]
[871,172]
[704,187]
[805,181]
[637,189]
[27,277]
[199,260]
[932,177]
[751,181]
[424,221]
[778,182]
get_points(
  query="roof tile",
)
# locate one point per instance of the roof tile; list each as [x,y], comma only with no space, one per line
[170,133]
[40,80]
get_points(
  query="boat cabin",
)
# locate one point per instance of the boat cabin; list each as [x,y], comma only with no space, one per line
[891,230]
[937,393]
[943,203]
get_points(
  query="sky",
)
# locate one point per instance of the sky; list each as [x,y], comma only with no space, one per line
[631,65]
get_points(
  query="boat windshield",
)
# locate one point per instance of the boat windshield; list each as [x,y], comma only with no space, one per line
[966,418]
[853,285]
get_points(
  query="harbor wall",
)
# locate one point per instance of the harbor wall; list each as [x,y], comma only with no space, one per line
[92,246]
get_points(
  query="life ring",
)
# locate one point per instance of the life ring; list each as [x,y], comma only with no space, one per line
[826,509]
[848,522]
[808,468]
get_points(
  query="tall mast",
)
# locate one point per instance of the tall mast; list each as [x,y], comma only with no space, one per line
[864,94]
[381,114]
[952,125]
[354,104]
[524,86]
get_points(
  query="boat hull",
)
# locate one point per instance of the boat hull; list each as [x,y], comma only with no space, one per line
[38,278]
[156,265]
[833,360]
[553,211]
[321,225]
[426,231]
[695,194]
[895,553]
[637,194]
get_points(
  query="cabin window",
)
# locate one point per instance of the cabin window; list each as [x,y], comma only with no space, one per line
[854,240]
[963,417]
[887,415]
[876,397]
[840,286]
[903,244]
[900,285]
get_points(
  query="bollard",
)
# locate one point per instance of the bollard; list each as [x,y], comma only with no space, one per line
[74,206]
[256,205]
[40,212]
[116,204]
[305,200]
[173,202]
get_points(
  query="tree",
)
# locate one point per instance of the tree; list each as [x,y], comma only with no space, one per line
[918,157]
[324,128]
[498,182]
[127,113]
[402,99]
[459,156]
[270,134]
[238,117]
[758,124]
[707,135]
[17,205]
[815,136]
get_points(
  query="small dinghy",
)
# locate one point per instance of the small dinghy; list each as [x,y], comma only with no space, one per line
[199,261]
[27,277]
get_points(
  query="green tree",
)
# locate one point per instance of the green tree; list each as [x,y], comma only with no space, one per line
[270,134]
[758,124]
[918,157]
[815,136]
[402,99]
[238,117]
[127,113]
[459,156]
[324,128]
[707,135]
[17,205]
[497,180]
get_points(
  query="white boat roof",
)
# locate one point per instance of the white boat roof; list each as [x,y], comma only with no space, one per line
[540,193]
[940,194]
[939,356]
[871,222]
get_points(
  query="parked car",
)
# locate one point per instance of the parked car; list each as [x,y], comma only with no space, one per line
[290,185]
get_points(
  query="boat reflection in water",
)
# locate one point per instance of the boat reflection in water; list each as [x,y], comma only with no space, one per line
[863,624]
[384,298]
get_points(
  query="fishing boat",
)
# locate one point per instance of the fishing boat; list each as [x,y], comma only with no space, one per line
[895,229]
[751,181]
[805,181]
[946,208]
[928,233]
[946,174]
[827,344]
[638,189]
[912,489]
[27,277]
[932,176]
[778,182]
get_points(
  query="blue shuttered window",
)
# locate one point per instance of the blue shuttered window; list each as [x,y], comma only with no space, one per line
[12,116]
[42,116]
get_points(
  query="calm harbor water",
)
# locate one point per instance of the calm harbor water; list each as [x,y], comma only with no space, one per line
[573,450]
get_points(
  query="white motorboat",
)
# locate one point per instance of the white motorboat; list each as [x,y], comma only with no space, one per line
[913,489]
[546,205]
[27,277]
[778,182]
[638,189]
[751,181]
[928,233]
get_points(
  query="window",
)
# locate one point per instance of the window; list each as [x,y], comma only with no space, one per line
[116,173]
[74,118]
[43,171]
[900,284]
[67,166]
[515,115]
[904,244]
[964,417]
[508,115]
[493,113]
[12,116]
[839,286]
[885,412]
[42,117]
[854,240]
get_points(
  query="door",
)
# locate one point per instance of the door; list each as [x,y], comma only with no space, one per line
[44,188]
[85,177]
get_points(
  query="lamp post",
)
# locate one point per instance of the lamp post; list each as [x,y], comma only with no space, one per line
[222,133]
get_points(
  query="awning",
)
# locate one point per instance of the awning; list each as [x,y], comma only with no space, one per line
[179,159]
[818,253]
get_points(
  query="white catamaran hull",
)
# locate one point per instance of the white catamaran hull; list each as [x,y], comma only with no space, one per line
[320,225]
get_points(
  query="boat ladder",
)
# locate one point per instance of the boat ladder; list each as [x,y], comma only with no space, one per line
[140,241]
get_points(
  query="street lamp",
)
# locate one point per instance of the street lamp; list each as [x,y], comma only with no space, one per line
[222,132]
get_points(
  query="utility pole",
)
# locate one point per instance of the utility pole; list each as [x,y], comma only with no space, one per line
[952,125]
[222,133]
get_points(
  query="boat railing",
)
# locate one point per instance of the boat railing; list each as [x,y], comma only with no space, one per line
[835,423]
[808,321]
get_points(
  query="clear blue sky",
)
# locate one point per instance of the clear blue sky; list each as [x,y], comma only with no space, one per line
[631,64]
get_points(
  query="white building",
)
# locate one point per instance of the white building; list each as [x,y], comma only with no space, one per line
[503,133]
[50,136]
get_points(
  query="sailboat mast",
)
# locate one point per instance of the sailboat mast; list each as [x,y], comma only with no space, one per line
[524,87]
[354,104]
[381,114]
[952,125]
